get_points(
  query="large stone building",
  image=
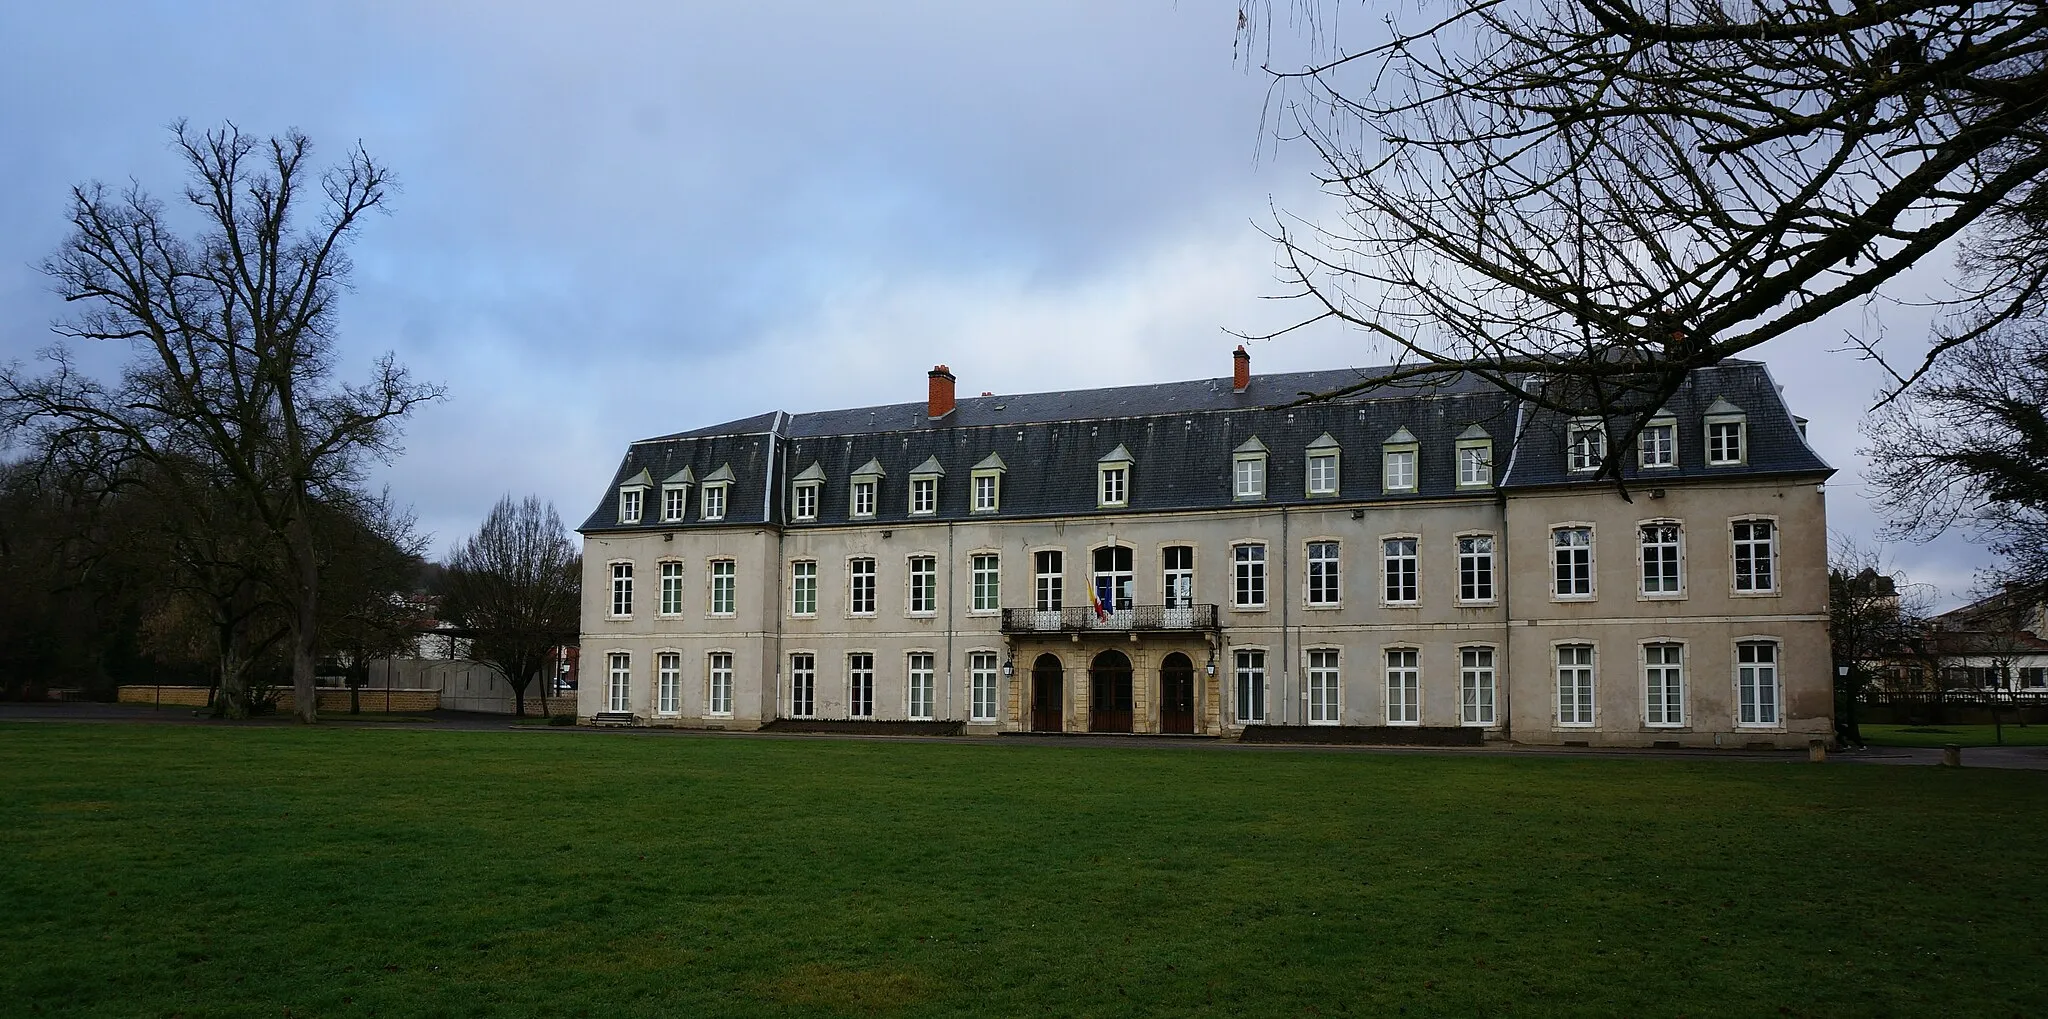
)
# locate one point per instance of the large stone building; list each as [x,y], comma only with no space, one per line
[1199,557]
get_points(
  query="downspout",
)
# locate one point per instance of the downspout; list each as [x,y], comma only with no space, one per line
[952,582]
[1286,599]
[1501,682]
[772,703]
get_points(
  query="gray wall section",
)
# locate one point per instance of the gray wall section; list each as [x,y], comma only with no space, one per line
[464,685]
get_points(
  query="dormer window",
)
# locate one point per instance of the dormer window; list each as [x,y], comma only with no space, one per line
[1658,445]
[716,486]
[1113,479]
[1322,466]
[987,486]
[1475,458]
[675,496]
[807,493]
[924,487]
[631,495]
[1398,457]
[1726,428]
[1585,444]
[866,481]
[1249,469]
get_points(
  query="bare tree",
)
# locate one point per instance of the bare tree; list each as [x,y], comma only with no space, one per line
[1968,446]
[1612,193]
[1873,618]
[232,388]
[517,584]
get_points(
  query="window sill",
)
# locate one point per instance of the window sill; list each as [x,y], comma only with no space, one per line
[1668,726]
[1679,596]
[920,615]
[1655,467]
[1404,725]
[803,615]
[1487,603]
[984,612]
[1478,725]
[1249,608]
[1323,606]
[618,619]
[721,615]
[1566,598]
[1401,604]
[1755,594]
[1574,726]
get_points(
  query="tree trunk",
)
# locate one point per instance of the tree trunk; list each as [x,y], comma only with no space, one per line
[305,624]
[234,686]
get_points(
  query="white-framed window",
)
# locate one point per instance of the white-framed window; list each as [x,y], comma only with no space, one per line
[986,571]
[864,498]
[673,499]
[860,586]
[671,588]
[1049,573]
[1251,686]
[1322,471]
[1248,563]
[860,685]
[807,500]
[803,588]
[1755,548]
[1756,682]
[1325,574]
[1115,579]
[924,496]
[981,686]
[618,691]
[924,585]
[1664,684]
[1661,545]
[1475,568]
[988,491]
[1475,686]
[714,501]
[718,684]
[1657,444]
[724,580]
[1325,687]
[668,683]
[1177,575]
[1404,686]
[1475,463]
[1400,570]
[1585,444]
[803,685]
[1571,560]
[1250,475]
[1574,684]
[629,505]
[1726,439]
[622,590]
[920,685]
[1113,478]
[1398,468]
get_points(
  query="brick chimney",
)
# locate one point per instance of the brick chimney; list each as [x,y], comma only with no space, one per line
[939,397]
[1241,370]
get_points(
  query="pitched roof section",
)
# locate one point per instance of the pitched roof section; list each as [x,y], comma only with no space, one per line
[1183,434]
[1775,445]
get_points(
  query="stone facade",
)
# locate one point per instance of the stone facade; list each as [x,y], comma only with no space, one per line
[787,605]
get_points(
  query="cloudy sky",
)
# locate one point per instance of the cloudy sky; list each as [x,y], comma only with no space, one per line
[621,220]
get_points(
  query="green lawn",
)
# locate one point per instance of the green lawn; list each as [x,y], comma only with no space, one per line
[1963,735]
[208,871]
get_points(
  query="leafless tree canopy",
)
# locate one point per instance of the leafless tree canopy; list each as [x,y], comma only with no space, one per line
[231,389]
[517,582]
[1968,445]
[1615,192]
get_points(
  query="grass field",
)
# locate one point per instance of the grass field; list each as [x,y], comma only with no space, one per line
[211,871]
[1962,735]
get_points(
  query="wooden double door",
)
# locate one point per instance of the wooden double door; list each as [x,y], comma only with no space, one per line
[1110,698]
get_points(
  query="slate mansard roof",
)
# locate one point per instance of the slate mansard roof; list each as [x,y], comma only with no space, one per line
[1182,437]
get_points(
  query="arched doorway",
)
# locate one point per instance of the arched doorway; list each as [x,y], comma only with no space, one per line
[1109,680]
[1177,694]
[1046,696]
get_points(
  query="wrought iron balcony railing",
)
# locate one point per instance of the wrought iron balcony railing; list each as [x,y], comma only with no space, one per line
[1083,619]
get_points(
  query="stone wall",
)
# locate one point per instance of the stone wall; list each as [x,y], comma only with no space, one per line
[332,701]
